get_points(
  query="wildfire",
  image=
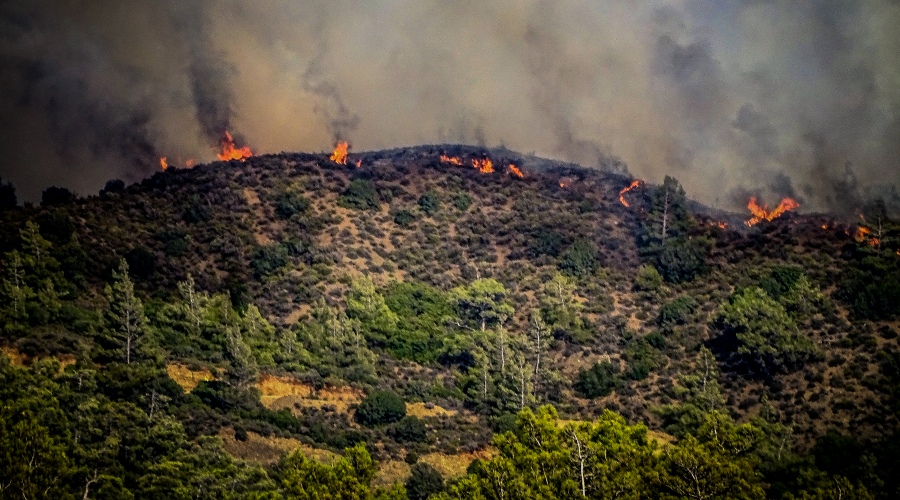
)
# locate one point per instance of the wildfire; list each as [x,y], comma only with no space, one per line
[761,212]
[565,182]
[453,160]
[485,166]
[230,152]
[722,225]
[514,170]
[339,155]
[628,188]
[863,236]
[358,163]
[163,163]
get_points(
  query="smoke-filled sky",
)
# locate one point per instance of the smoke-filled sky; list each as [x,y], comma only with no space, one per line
[732,97]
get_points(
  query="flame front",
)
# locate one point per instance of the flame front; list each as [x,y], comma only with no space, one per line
[565,182]
[339,155]
[863,235]
[163,163]
[453,160]
[761,212]
[485,166]
[633,185]
[514,170]
[230,152]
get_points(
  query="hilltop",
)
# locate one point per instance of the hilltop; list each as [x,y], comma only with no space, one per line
[282,290]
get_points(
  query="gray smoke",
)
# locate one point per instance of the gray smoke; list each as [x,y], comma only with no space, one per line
[772,97]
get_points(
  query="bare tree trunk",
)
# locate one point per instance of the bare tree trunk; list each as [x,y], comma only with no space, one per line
[581,457]
[665,221]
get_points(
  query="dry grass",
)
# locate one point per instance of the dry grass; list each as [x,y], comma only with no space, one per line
[421,411]
[451,466]
[185,377]
[285,392]
[16,358]
[392,471]
[268,450]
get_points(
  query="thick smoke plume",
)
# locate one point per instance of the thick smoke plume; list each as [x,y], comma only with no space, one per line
[771,97]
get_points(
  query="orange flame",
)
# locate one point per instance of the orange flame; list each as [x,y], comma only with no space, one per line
[863,236]
[723,225]
[565,182]
[761,212]
[163,163]
[190,163]
[453,160]
[485,166]
[358,163]
[631,186]
[514,170]
[340,153]
[230,152]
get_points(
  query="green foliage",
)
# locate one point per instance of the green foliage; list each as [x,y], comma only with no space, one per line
[482,303]
[125,318]
[141,262]
[581,259]
[360,195]
[767,338]
[380,408]
[676,312]
[404,218]
[424,481]
[871,288]
[780,280]
[679,260]
[366,305]
[430,202]
[409,429]
[562,311]
[350,478]
[290,203]
[668,216]
[597,381]
[462,202]
[648,279]
[421,311]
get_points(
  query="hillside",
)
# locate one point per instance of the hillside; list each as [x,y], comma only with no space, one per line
[276,295]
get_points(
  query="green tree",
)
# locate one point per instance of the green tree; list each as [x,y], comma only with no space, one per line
[381,407]
[366,305]
[668,215]
[430,202]
[482,303]
[648,279]
[766,335]
[693,470]
[581,259]
[125,316]
[597,381]
[561,309]
[424,481]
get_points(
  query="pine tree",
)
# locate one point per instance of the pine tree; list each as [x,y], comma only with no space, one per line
[125,316]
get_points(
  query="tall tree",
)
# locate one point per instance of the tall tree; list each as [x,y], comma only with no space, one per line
[668,216]
[125,316]
[483,302]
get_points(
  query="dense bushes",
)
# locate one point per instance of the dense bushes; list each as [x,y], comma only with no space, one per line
[381,407]
[360,195]
[597,381]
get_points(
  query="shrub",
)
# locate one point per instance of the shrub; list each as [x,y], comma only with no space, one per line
[360,195]
[290,203]
[676,312]
[682,260]
[580,259]
[462,202]
[430,202]
[56,226]
[404,218]
[423,482]
[409,429]
[597,381]
[381,407]
[56,196]
[648,279]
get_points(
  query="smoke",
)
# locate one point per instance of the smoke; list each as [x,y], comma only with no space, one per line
[772,97]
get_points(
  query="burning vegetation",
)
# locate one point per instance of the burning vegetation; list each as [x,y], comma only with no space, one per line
[515,171]
[452,160]
[231,152]
[566,182]
[341,150]
[761,212]
[635,184]
[163,163]
[485,166]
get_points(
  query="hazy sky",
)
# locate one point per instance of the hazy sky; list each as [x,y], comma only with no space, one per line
[732,97]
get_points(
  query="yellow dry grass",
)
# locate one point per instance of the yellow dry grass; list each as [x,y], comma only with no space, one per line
[285,392]
[16,358]
[392,471]
[451,466]
[185,377]
[268,450]
[421,411]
